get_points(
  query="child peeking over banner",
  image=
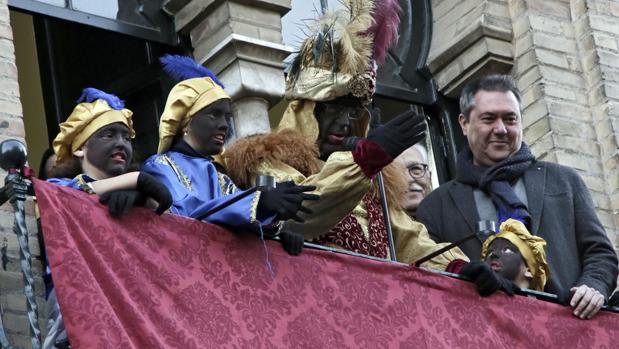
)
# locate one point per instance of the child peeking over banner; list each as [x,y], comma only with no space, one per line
[98,135]
[517,255]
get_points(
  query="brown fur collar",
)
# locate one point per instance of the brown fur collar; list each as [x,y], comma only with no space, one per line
[287,146]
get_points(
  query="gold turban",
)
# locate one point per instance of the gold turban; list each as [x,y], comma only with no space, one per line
[335,60]
[531,247]
[84,121]
[185,100]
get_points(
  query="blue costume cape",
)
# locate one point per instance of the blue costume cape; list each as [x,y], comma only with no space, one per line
[196,187]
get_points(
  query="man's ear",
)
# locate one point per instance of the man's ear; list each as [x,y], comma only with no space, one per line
[464,124]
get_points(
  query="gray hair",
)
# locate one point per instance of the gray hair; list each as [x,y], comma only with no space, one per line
[422,151]
[496,82]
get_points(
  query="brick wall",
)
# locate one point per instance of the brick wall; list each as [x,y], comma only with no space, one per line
[564,55]
[564,63]
[12,300]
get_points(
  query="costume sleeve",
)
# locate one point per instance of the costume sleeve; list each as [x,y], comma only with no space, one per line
[65,182]
[412,242]
[189,203]
[371,157]
[597,255]
[341,184]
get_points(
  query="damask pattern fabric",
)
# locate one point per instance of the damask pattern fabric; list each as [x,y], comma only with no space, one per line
[146,281]
[349,235]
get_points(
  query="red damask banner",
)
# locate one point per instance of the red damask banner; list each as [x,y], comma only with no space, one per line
[146,281]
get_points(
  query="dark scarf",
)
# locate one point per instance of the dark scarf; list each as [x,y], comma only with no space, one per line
[180,146]
[497,180]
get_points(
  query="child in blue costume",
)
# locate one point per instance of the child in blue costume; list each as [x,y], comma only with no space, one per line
[193,129]
[98,134]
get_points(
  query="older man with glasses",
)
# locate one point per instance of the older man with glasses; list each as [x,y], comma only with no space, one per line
[415,160]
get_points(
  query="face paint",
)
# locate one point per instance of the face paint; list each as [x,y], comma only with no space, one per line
[505,259]
[109,149]
[208,128]
[334,124]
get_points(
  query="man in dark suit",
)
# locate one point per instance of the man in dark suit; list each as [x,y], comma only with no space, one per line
[497,178]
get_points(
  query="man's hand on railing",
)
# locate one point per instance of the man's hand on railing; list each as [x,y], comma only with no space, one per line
[286,200]
[586,301]
[486,279]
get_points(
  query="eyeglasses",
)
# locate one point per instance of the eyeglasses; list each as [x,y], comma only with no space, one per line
[417,170]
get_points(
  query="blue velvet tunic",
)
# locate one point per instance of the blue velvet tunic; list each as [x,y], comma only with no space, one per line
[196,186]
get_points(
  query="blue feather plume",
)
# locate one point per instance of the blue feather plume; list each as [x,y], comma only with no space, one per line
[182,68]
[91,94]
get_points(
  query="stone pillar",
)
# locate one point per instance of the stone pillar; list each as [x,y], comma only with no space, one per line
[248,114]
[470,38]
[241,41]
[564,55]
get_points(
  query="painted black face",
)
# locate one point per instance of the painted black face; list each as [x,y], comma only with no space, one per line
[505,259]
[208,128]
[334,124]
[109,149]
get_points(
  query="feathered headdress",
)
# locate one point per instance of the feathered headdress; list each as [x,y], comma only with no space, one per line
[339,57]
[197,89]
[91,94]
[385,28]
[182,68]
[95,110]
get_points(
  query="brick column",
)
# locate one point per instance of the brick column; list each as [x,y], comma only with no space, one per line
[597,37]
[241,42]
[566,56]
[12,297]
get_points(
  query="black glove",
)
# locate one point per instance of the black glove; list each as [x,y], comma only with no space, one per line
[292,242]
[486,279]
[62,344]
[613,301]
[400,133]
[150,187]
[120,201]
[286,200]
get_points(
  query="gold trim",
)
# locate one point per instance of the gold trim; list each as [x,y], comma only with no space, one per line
[166,160]
[222,183]
[87,187]
[254,207]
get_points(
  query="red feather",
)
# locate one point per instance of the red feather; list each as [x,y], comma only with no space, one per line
[385,28]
